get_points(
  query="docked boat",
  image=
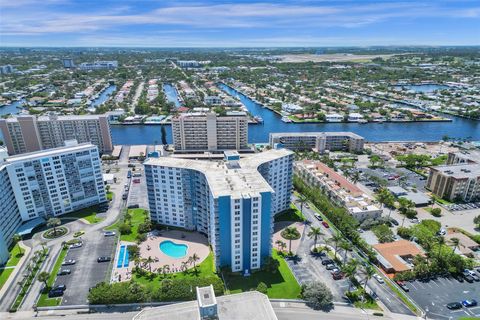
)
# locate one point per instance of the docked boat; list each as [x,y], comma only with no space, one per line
[258,119]
[286,119]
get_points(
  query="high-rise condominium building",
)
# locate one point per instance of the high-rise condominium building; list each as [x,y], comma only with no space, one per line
[455,182]
[210,132]
[68,63]
[320,141]
[232,201]
[45,184]
[28,133]
[98,65]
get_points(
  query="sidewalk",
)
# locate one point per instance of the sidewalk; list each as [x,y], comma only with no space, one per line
[19,265]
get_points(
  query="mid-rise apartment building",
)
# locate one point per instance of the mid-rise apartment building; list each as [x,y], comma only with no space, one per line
[231,201]
[455,182]
[210,132]
[29,134]
[46,184]
[98,65]
[341,191]
[319,141]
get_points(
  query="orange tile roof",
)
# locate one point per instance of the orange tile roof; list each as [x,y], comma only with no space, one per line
[392,250]
[338,179]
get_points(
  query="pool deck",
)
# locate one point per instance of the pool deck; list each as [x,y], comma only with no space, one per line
[196,243]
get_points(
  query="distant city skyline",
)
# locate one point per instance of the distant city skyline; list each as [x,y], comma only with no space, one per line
[146,23]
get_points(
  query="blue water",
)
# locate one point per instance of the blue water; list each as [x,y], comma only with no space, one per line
[173,249]
[12,108]
[104,96]
[121,253]
[171,94]
[125,262]
[423,88]
[386,131]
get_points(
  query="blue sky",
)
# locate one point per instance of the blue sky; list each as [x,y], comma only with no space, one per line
[164,23]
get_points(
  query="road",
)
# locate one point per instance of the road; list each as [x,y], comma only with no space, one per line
[384,293]
[137,95]
[283,310]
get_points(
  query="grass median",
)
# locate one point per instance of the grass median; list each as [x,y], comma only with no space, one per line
[44,300]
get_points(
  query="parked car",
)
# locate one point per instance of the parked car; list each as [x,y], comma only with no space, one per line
[454,305]
[378,278]
[395,222]
[337,276]
[60,287]
[125,196]
[55,293]
[103,259]
[131,165]
[327,261]
[469,278]
[319,217]
[64,272]
[330,266]
[442,232]
[129,174]
[458,277]
[402,285]
[76,245]
[68,262]
[414,220]
[469,303]
[475,277]
[325,224]
[136,180]
[133,206]
[109,233]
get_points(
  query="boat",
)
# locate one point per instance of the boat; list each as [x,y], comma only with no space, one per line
[258,119]
[362,121]
[286,119]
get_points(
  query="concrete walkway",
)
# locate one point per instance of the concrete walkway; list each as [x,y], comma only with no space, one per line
[15,272]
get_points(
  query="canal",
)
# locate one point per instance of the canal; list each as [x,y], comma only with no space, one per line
[103,96]
[171,94]
[13,108]
[258,133]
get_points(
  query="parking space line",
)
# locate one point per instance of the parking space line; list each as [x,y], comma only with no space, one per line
[413,286]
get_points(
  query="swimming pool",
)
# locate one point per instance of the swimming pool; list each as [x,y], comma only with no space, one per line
[172,249]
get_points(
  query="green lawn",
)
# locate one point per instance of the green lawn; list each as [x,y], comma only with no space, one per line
[44,301]
[292,214]
[15,256]
[109,195]
[204,269]
[281,284]
[137,218]
[89,214]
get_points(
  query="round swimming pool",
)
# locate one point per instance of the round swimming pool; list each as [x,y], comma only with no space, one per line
[172,249]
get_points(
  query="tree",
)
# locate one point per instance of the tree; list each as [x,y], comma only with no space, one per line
[476,220]
[125,228]
[436,212]
[262,288]
[455,242]
[345,245]
[335,239]
[54,222]
[383,233]
[149,262]
[317,295]
[405,205]
[271,265]
[302,200]
[369,273]
[16,239]
[314,233]
[350,270]
[374,159]
[195,259]
[43,277]
[290,233]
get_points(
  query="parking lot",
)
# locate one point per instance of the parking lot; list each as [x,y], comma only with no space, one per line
[408,179]
[86,272]
[463,206]
[137,194]
[434,295]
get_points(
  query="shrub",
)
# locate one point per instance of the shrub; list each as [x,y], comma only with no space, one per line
[262,288]
[436,212]
[141,237]
[125,228]
[120,292]
[317,295]
[181,289]
[405,233]
[145,227]
[383,233]
[411,213]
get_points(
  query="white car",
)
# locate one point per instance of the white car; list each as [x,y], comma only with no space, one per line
[378,278]
[109,233]
[76,245]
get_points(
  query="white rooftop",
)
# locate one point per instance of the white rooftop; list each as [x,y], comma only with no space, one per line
[235,178]
[49,152]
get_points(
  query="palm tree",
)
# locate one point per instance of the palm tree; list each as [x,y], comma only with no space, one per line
[149,262]
[314,233]
[16,239]
[350,270]
[302,200]
[279,243]
[290,233]
[43,277]
[455,242]
[345,245]
[195,258]
[43,244]
[441,242]
[369,272]
[335,239]
[54,222]
[184,266]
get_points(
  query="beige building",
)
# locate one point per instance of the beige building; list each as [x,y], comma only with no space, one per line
[210,132]
[455,182]
[319,141]
[29,134]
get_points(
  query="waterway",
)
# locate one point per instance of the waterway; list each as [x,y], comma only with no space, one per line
[12,108]
[171,94]
[258,133]
[423,88]
[103,96]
